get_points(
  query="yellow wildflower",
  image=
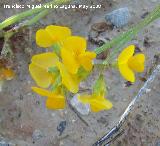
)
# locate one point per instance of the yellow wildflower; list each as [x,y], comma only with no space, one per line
[70,81]
[97,103]
[129,63]
[97,100]
[74,54]
[55,100]
[51,35]
[43,78]
[39,66]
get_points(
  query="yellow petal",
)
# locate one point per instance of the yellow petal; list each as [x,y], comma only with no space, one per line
[43,92]
[71,82]
[85,98]
[59,32]
[97,103]
[136,62]
[51,34]
[100,104]
[69,61]
[76,44]
[126,72]
[45,60]
[85,60]
[41,77]
[43,38]
[126,54]
[55,102]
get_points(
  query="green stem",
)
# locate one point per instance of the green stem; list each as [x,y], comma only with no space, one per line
[125,37]
[21,16]
[132,32]
[37,17]
[10,33]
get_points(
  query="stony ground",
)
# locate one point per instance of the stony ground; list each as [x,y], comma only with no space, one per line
[24,120]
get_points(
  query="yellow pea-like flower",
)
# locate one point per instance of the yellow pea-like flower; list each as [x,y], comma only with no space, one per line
[70,81]
[128,63]
[39,71]
[54,100]
[97,103]
[39,66]
[74,54]
[51,34]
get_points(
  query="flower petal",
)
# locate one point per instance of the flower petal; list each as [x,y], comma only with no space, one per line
[43,38]
[70,81]
[126,54]
[69,61]
[59,32]
[41,77]
[51,34]
[100,104]
[76,44]
[97,103]
[45,60]
[55,102]
[43,92]
[136,63]
[85,60]
[126,72]
[85,98]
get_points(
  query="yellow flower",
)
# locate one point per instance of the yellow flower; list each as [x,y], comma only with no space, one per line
[39,66]
[129,63]
[55,100]
[39,72]
[97,103]
[74,54]
[70,81]
[51,35]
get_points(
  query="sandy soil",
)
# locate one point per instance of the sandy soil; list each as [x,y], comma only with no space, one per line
[24,120]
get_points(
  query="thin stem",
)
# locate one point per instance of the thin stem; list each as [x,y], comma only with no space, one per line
[107,138]
[21,16]
[131,32]
[37,17]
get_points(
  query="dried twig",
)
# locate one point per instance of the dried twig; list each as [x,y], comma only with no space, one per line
[116,129]
[78,115]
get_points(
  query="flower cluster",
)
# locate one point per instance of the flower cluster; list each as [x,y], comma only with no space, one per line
[61,70]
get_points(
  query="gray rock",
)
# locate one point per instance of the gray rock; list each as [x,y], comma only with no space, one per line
[119,17]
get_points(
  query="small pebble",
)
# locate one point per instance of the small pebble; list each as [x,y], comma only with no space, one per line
[147,90]
[119,17]
[74,120]
[83,109]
